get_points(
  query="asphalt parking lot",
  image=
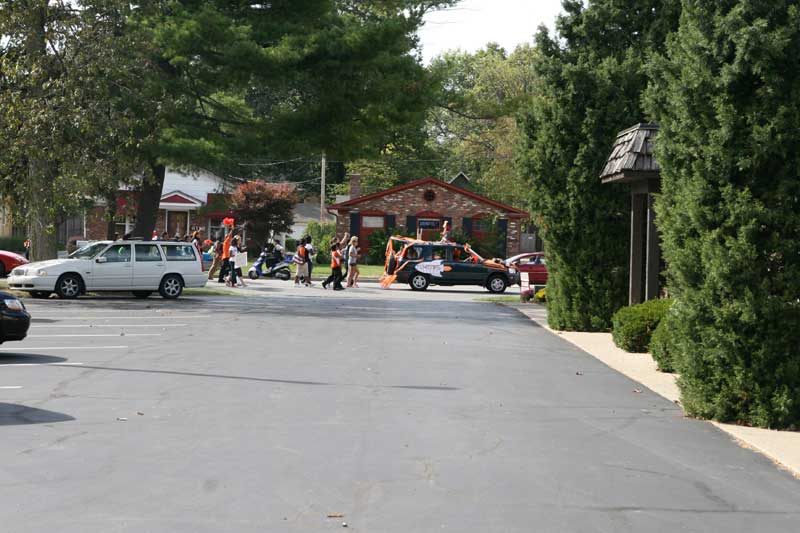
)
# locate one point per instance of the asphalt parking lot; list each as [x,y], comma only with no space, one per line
[397,411]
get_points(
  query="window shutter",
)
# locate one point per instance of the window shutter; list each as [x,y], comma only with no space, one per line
[391,223]
[466,225]
[502,228]
[355,224]
[411,225]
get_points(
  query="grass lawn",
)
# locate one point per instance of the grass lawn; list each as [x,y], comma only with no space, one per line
[500,299]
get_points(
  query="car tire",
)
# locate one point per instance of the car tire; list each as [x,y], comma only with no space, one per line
[497,284]
[142,294]
[40,294]
[69,286]
[171,286]
[419,282]
[3,272]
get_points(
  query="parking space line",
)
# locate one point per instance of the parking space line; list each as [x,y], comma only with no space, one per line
[115,317]
[113,326]
[44,348]
[7,387]
[93,335]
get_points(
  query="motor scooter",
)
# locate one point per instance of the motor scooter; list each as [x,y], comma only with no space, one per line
[270,265]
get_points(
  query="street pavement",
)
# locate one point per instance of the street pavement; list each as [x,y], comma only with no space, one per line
[399,411]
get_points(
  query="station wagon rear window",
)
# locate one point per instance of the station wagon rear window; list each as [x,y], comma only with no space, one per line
[179,252]
[147,252]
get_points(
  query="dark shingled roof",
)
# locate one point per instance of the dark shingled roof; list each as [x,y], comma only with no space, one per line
[632,155]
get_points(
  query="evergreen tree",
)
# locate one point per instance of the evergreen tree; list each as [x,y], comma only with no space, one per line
[591,77]
[727,97]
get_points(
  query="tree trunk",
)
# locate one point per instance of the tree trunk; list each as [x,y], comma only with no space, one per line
[41,218]
[111,213]
[149,198]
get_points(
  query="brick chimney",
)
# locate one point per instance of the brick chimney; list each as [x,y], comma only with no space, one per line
[355,185]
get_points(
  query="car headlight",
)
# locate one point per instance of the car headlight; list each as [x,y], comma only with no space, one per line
[14,304]
[41,273]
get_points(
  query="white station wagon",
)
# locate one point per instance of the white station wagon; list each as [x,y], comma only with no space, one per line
[141,267]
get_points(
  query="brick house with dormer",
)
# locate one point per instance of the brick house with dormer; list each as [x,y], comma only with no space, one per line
[421,207]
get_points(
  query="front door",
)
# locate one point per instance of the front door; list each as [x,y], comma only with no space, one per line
[148,266]
[429,229]
[113,269]
[177,222]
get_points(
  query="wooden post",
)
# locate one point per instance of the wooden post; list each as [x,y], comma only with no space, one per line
[637,247]
[653,252]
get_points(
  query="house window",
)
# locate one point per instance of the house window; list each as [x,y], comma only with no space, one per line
[124,224]
[372,222]
[216,231]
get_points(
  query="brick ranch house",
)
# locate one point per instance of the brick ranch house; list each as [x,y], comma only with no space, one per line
[421,207]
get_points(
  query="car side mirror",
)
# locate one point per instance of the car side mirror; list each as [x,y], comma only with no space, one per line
[101,260]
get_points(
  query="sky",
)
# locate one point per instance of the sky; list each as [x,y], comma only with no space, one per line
[473,23]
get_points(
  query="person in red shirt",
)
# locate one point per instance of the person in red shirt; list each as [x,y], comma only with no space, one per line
[336,269]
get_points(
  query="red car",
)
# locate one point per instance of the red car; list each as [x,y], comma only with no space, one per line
[533,263]
[9,261]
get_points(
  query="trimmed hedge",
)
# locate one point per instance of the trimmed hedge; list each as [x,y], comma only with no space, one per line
[634,325]
[12,244]
[661,346]
[726,97]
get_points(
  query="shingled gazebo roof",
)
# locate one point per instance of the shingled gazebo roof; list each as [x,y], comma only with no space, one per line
[632,157]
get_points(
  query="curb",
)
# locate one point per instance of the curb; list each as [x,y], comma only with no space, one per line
[781,447]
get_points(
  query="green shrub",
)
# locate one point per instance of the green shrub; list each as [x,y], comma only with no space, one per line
[376,242]
[634,325]
[291,245]
[322,236]
[12,244]
[661,345]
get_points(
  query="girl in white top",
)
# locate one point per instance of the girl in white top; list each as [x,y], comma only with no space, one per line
[352,262]
[234,251]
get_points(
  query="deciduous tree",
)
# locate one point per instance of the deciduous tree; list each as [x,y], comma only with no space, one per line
[264,208]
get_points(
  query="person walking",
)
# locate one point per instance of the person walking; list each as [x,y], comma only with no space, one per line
[27,245]
[226,247]
[352,262]
[235,279]
[300,260]
[311,253]
[336,269]
[216,254]
[343,250]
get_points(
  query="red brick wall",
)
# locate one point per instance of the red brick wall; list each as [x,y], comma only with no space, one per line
[410,202]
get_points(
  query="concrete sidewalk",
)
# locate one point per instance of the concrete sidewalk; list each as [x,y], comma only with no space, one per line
[782,447]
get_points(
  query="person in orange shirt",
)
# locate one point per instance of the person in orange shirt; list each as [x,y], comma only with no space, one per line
[336,269]
[300,260]
[226,256]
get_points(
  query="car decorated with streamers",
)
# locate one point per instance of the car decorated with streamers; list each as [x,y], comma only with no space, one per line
[424,263]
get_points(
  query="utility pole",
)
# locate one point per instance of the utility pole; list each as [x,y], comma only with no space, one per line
[322,191]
